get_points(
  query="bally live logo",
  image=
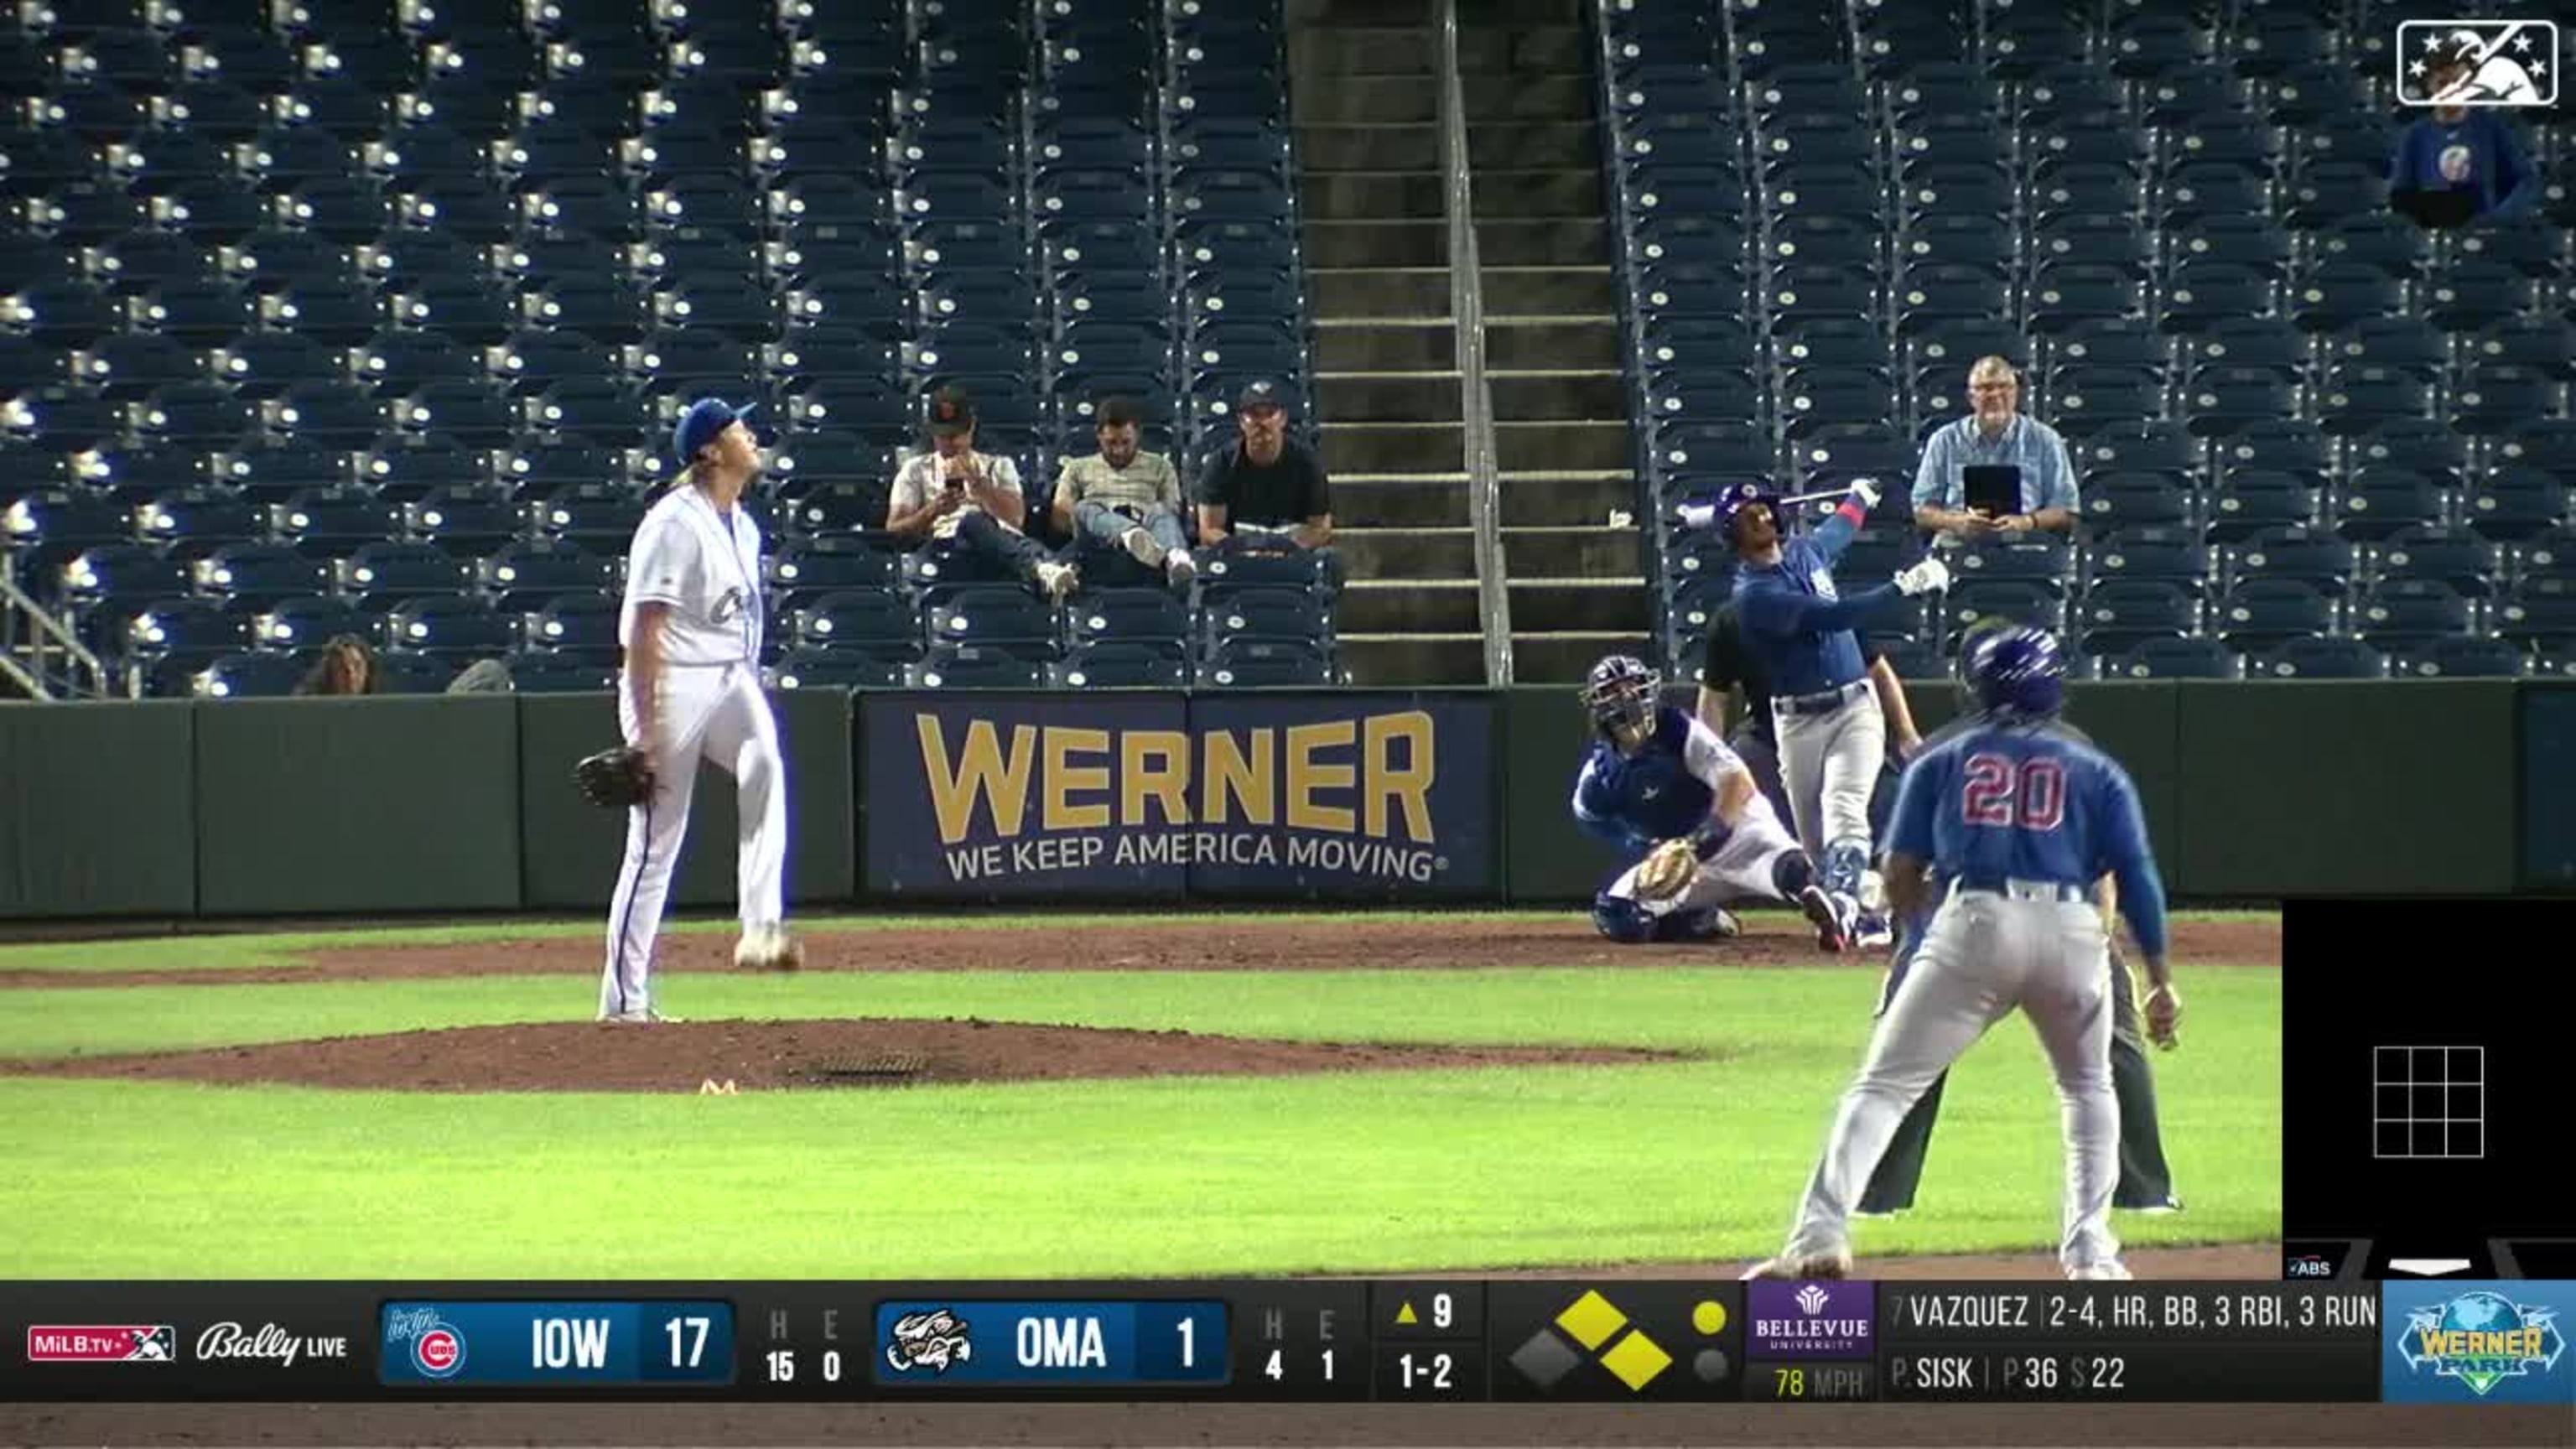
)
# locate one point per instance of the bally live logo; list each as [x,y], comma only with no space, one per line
[232,1340]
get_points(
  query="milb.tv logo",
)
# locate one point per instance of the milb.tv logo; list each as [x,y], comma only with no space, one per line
[118,1343]
[2478,62]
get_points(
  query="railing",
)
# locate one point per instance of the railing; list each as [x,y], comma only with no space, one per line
[39,653]
[1467,314]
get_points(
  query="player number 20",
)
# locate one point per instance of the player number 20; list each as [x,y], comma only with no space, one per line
[2005,792]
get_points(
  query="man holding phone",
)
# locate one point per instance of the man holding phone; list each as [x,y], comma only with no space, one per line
[958,502]
[1996,472]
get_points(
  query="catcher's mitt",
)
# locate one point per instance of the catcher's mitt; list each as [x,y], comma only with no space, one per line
[615,778]
[1666,869]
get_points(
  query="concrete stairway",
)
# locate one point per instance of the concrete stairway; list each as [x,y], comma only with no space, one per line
[1578,584]
[1363,85]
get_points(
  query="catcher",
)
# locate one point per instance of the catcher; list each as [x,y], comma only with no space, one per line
[1660,782]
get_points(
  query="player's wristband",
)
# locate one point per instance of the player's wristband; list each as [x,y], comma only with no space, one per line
[1709,837]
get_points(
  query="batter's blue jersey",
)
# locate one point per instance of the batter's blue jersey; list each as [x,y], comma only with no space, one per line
[2030,803]
[1667,789]
[1799,631]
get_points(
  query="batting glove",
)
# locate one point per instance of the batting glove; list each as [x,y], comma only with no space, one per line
[1929,576]
[1866,490]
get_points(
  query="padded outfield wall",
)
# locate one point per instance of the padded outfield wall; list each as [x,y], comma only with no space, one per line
[379,806]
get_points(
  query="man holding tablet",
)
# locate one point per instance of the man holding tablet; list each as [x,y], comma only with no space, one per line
[1995,472]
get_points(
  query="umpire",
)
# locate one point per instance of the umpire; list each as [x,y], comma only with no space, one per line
[2146,1183]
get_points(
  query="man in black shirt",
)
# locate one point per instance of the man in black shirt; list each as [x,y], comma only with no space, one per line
[1266,491]
[2146,1182]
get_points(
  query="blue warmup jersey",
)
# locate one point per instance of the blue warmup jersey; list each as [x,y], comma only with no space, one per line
[2030,803]
[1635,801]
[1798,630]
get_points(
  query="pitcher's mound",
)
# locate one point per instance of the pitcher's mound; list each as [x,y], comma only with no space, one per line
[758,1055]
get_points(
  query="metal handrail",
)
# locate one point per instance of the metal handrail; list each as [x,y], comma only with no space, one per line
[45,634]
[1467,316]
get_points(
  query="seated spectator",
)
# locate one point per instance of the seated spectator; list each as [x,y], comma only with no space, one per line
[1266,491]
[1121,498]
[959,502]
[347,666]
[2462,163]
[1995,433]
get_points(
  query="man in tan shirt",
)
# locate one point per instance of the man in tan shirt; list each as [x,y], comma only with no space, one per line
[1124,498]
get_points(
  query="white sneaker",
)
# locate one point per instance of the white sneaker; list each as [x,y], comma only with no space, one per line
[1056,580]
[768,948]
[1181,568]
[1148,550]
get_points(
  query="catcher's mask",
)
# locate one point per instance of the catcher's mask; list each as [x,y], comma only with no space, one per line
[2019,673]
[1621,690]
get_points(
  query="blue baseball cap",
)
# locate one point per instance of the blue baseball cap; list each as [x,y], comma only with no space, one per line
[699,426]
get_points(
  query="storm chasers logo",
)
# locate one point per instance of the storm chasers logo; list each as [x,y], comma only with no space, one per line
[931,1340]
[2477,63]
[437,1349]
[113,1343]
[2482,1338]
[231,1340]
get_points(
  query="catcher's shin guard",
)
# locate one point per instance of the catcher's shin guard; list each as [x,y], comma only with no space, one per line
[1845,859]
[1792,873]
[1621,919]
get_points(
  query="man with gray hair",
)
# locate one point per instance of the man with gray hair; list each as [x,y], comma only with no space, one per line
[1995,434]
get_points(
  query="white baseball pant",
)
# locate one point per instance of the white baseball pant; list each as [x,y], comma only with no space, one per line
[1741,868]
[1984,956]
[712,712]
[1829,763]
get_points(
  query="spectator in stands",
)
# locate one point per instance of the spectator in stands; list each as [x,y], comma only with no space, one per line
[962,503]
[1266,491]
[1995,432]
[2460,163]
[1124,498]
[347,666]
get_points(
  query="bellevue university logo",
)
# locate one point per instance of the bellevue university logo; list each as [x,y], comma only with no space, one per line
[2482,1338]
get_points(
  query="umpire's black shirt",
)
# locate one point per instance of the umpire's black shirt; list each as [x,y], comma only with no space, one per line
[1728,664]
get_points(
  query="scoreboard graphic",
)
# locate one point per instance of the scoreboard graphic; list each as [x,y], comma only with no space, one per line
[2456,1341]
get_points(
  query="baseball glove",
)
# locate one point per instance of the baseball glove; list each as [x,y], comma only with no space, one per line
[615,778]
[1666,870]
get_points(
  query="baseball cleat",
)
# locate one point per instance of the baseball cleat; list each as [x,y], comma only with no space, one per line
[1725,927]
[646,1017]
[1873,933]
[1827,915]
[2112,1272]
[1802,1267]
[1142,543]
[768,948]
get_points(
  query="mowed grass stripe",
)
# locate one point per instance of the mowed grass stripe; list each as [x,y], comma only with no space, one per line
[1342,1173]
[222,952]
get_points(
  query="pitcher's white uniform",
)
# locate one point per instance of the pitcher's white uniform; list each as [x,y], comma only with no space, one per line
[706,567]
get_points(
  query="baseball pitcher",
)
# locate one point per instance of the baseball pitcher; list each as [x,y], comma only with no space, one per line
[690,689]
[2019,821]
[1660,782]
[1833,738]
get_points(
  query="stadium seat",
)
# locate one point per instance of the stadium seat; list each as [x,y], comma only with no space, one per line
[1268,663]
[2258,617]
[2197,658]
[1122,665]
[2320,659]
[2405,616]
[823,668]
[2251,502]
[2454,556]
[449,625]
[970,666]
[379,575]
[2117,615]
[2464,658]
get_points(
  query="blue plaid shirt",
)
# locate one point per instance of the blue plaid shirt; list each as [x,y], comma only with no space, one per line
[2047,478]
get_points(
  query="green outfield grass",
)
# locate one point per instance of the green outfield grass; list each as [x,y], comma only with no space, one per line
[1347,1173]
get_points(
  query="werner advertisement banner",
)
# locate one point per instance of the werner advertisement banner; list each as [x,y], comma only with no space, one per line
[1289,796]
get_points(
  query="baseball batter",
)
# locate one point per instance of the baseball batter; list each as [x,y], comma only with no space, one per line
[1662,783]
[2019,820]
[691,628]
[1833,738]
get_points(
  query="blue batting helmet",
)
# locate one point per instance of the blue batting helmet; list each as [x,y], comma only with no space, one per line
[2018,673]
[1736,501]
[1621,690]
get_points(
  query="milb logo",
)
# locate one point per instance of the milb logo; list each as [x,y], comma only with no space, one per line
[113,1343]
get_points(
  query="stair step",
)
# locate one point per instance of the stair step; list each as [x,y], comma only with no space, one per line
[1390,397]
[1381,291]
[1588,394]
[1515,343]
[1503,190]
[1564,658]
[1408,447]
[1555,290]
[1393,660]
[1585,551]
[1569,499]
[1392,100]
[1544,49]
[1400,500]
[1583,606]
[1407,606]
[1534,144]
[1369,146]
[1407,553]
[1377,196]
[1353,344]
[1391,242]
[1346,50]
[1525,447]
[1550,241]
[1531,96]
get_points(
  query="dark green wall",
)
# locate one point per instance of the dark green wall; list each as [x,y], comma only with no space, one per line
[1545,857]
[96,816]
[2548,753]
[571,848]
[383,803]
